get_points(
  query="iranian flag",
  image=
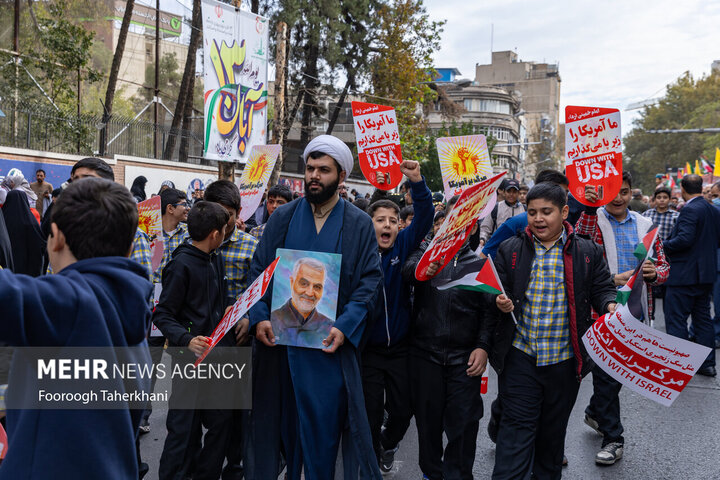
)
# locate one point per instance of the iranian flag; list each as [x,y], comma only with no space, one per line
[478,276]
[645,247]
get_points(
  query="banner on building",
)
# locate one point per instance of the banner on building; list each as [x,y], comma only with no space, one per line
[474,204]
[378,141]
[150,222]
[255,177]
[235,53]
[464,161]
[250,297]
[593,152]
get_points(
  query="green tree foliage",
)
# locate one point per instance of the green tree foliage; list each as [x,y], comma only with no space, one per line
[688,103]
[401,69]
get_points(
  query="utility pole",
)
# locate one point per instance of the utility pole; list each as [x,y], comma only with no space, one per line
[156,100]
[279,122]
[16,49]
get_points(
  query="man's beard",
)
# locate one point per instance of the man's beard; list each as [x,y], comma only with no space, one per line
[326,192]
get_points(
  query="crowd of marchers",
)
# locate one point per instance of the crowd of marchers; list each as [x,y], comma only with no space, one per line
[76,271]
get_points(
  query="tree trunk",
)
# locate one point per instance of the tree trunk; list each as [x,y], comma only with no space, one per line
[338,106]
[185,94]
[114,72]
[310,100]
[187,123]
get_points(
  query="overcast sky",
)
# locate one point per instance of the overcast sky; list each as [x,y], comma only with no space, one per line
[610,52]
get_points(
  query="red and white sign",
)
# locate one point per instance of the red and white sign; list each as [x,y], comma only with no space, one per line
[474,204]
[593,152]
[155,331]
[255,177]
[378,141]
[150,222]
[249,298]
[649,362]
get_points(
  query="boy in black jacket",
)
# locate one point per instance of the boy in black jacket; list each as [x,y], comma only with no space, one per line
[449,345]
[193,301]
[552,278]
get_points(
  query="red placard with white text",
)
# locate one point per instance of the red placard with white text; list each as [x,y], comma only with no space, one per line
[474,203]
[649,362]
[249,298]
[150,222]
[593,152]
[378,141]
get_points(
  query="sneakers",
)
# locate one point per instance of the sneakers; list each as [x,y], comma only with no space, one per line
[592,423]
[609,454]
[387,459]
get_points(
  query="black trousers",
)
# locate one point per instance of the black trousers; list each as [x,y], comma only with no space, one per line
[386,384]
[445,400]
[536,405]
[180,456]
[157,346]
[684,301]
[604,406]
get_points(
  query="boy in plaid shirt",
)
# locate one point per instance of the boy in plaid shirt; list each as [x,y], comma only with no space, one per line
[618,230]
[552,278]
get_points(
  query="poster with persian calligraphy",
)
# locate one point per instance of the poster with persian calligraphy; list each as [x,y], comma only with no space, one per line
[235,52]
[593,152]
[378,141]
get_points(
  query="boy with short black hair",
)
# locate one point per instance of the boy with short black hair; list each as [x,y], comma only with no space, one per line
[187,319]
[552,278]
[97,298]
[277,195]
[406,217]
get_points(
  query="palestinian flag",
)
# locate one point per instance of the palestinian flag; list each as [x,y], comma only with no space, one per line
[681,172]
[645,247]
[706,167]
[670,182]
[478,276]
[630,294]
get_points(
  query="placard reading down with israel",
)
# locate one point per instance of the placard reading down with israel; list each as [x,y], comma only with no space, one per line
[305,293]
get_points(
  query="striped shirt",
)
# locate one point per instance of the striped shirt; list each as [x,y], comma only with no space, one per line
[543,329]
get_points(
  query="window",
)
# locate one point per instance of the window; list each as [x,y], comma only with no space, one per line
[491,106]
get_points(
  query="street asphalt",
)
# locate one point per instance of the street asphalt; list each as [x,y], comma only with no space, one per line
[681,442]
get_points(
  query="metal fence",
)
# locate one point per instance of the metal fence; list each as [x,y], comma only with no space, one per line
[49,130]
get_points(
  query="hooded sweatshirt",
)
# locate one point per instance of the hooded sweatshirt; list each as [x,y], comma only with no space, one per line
[194,295]
[94,302]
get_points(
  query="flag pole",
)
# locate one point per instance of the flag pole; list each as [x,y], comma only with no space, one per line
[502,288]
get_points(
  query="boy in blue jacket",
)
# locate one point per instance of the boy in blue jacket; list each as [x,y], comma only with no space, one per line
[384,359]
[97,298]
